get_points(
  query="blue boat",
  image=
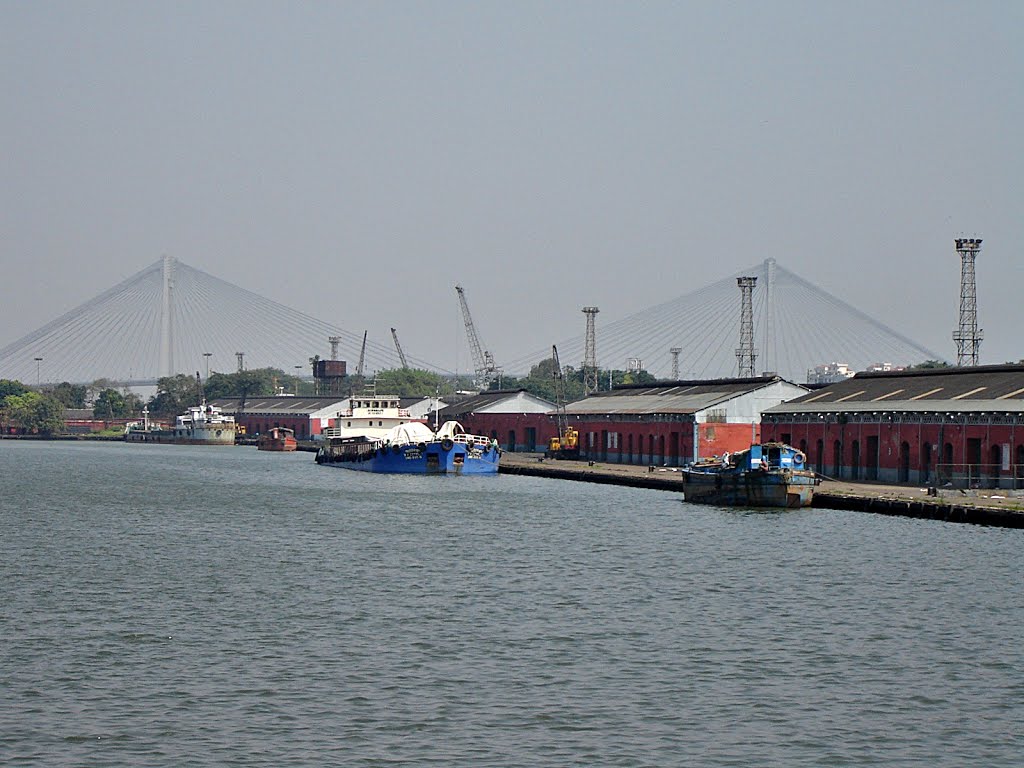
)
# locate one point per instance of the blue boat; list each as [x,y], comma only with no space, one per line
[766,475]
[413,448]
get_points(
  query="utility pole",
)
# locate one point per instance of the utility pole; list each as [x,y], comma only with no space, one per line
[746,355]
[590,353]
[968,336]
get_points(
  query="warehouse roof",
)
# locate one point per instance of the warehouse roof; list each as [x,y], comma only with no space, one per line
[668,397]
[981,388]
[280,405]
[517,400]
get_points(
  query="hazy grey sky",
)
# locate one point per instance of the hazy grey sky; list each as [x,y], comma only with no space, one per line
[356,160]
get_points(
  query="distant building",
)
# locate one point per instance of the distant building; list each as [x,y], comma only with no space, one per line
[829,373]
[305,416]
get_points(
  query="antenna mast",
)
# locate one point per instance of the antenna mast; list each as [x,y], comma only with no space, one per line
[483,363]
[675,362]
[401,354]
[968,337]
[745,355]
[590,353]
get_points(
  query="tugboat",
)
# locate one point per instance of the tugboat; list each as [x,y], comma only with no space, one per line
[766,475]
[277,439]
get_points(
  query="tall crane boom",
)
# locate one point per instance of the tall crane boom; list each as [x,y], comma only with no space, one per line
[362,356]
[483,363]
[563,419]
[401,354]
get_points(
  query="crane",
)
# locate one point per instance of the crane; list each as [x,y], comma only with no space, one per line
[401,354]
[362,357]
[567,444]
[483,363]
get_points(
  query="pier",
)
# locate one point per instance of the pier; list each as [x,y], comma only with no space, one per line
[977,506]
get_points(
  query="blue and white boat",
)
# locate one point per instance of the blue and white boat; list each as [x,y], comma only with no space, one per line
[767,475]
[368,440]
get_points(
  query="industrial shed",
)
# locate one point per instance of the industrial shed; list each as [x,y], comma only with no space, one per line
[306,416]
[518,420]
[674,423]
[963,426]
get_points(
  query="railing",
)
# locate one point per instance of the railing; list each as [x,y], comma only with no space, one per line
[980,476]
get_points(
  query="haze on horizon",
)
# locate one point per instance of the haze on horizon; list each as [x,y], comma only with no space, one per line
[356,161]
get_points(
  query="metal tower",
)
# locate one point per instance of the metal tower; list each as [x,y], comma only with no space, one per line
[968,336]
[334,341]
[590,353]
[241,361]
[401,354]
[746,355]
[675,362]
[483,363]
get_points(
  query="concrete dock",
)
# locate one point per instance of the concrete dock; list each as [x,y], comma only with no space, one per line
[978,506]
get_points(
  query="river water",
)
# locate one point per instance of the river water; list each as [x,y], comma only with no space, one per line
[174,606]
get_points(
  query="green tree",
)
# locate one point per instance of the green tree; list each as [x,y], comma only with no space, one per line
[33,413]
[111,404]
[174,395]
[931,364]
[11,387]
[71,395]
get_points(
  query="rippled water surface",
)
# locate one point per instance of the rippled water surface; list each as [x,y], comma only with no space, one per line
[170,606]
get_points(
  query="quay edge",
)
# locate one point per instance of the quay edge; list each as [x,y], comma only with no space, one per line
[895,501]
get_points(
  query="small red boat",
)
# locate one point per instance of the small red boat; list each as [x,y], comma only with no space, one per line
[277,439]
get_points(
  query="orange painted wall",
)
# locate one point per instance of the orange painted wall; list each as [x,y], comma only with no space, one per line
[716,439]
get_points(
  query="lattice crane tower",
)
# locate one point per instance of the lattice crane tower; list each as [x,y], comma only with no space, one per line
[590,353]
[968,336]
[483,363]
[675,362]
[745,355]
[241,361]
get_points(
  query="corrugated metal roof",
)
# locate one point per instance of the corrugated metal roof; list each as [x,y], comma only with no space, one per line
[484,400]
[279,405]
[675,397]
[983,388]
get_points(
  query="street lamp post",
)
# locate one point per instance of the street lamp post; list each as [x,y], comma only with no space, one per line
[207,356]
[38,361]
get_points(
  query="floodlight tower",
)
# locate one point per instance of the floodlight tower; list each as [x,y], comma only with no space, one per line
[590,353]
[241,361]
[675,362]
[745,355]
[968,336]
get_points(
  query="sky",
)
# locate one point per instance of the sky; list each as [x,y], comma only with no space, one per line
[357,160]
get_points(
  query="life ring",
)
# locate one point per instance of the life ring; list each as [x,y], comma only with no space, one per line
[447,444]
[800,458]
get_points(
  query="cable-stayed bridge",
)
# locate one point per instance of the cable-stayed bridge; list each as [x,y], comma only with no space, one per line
[797,326]
[164,319]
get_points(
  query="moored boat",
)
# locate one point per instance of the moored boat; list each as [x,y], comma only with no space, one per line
[767,475]
[277,439]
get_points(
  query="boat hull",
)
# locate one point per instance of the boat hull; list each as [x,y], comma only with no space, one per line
[784,488]
[434,458]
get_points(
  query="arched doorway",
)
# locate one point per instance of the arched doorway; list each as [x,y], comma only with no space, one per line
[926,463]
[819,463]
[855,461]
[837,459]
